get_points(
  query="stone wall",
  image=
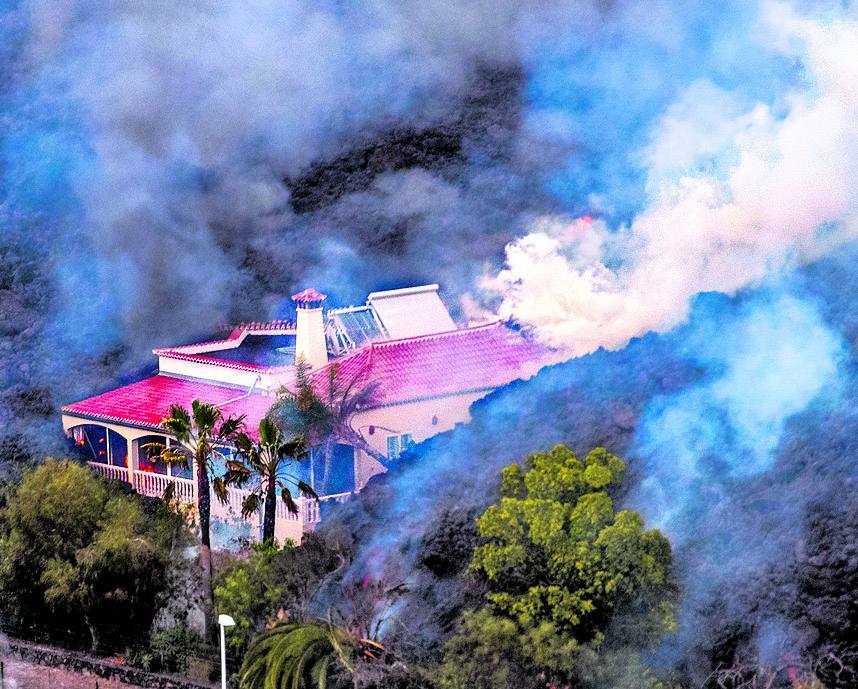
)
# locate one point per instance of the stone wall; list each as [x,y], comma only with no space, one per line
[48,656]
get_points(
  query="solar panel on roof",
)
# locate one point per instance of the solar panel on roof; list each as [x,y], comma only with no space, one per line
[355,326]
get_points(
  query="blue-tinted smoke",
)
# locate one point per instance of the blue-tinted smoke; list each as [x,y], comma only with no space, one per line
[736,427]
[143,148]
[598,84]
[763,366]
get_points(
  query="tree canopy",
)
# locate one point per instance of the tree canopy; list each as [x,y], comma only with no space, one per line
[569,579]
[322,415]
[265,464]
[76,549]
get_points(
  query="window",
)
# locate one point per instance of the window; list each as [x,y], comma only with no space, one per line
[393,447]
[147,457]
[397,444]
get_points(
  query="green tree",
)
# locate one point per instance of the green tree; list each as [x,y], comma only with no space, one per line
[267,461]
[569,579]
[271,583]
[199,434]
[74,548]
[299,656]
[321,409]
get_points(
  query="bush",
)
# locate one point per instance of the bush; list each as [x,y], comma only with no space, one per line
[173,649]
[80,561]
[575,589]
[270,583]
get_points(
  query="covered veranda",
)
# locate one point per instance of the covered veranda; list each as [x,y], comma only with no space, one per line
[118,452]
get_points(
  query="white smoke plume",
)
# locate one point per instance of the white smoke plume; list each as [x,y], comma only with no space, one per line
[737,192]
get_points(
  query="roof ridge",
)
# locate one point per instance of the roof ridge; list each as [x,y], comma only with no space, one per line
[437,336]
[235,334]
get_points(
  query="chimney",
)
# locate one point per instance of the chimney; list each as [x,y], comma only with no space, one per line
[310,329]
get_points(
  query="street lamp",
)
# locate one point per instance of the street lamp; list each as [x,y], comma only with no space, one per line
[224,621]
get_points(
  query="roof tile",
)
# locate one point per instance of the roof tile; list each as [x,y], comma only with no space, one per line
[147,402]
[477,358]
[470,359]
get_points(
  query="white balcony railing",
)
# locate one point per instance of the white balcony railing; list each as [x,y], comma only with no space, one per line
[310,508]
[153,485]
[111,472]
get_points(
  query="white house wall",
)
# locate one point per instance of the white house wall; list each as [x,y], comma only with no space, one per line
[422,419]
[216,374]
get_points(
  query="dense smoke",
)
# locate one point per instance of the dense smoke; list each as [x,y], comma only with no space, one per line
[170,167]
[739,431]
[165,167]
[736,191]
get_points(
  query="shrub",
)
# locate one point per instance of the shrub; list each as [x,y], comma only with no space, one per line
[79,558]
[271,583]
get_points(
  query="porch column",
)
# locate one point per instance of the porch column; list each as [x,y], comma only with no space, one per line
[133,447]
[357,464]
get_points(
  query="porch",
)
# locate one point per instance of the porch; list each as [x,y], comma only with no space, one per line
[289,524]
[118,453]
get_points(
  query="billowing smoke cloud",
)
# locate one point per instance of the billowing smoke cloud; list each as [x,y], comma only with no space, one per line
[704,449]
[145,155]
[169,167]
[736,192]
[165,166]
[737,427]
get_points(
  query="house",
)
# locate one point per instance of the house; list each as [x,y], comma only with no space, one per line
[423,371]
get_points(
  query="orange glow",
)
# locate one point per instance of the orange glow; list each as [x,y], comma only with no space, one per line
[101,453]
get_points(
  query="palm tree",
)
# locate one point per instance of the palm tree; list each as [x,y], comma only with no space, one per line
[267,460]
[199,434]
[299,656]
[324,417]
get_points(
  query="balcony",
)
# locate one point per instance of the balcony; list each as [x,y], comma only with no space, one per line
[289,525]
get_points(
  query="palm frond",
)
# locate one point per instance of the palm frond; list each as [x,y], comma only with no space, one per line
[268,432]
[294,448]
[230,427]
[175,455]
[286,496]
[178,423]
[219,489]
[307,490]
[243,443]
[205,417]
[232,478]
[237,466]
[249,505]
[295,656]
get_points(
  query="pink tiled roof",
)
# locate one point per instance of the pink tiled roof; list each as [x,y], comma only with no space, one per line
[146,402]
[194,352]
[467,360]
[470,359]
[309,294]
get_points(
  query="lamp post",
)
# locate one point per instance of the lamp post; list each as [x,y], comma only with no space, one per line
[224,621]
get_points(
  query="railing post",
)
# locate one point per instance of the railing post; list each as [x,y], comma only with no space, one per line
[131,451]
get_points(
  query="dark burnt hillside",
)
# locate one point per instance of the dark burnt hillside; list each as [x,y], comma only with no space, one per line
[757,554]
[484,121]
